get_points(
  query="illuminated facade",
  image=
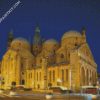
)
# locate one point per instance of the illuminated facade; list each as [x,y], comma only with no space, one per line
[69,63]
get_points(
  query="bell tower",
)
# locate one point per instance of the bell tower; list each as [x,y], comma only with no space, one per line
[10,39]
[37,43]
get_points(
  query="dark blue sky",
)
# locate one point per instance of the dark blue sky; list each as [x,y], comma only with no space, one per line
[55,17]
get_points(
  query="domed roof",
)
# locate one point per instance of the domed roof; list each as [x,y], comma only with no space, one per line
[71,34]
[21,39]
[20,42]
[51,41]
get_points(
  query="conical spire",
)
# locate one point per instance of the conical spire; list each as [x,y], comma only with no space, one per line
[37,29]
[10,38]
[37,37]
[37,42]
[83,31]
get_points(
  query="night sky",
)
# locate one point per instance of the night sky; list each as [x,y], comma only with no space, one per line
[54,17]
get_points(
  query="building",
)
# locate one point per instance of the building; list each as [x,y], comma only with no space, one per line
[69,63]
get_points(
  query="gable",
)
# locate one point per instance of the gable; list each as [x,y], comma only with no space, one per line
[84,48]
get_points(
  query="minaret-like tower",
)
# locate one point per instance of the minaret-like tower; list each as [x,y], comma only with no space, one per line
[37,43]
[83,32]
[10,38]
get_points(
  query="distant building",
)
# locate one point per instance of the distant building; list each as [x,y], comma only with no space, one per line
[69,63]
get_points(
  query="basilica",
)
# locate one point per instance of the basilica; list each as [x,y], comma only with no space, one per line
[42,64]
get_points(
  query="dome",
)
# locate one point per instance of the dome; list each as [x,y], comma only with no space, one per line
[71,34]
[50,45]
[51,41]
[20,43]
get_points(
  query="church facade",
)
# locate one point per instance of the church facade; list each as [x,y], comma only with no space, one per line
[43,64]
